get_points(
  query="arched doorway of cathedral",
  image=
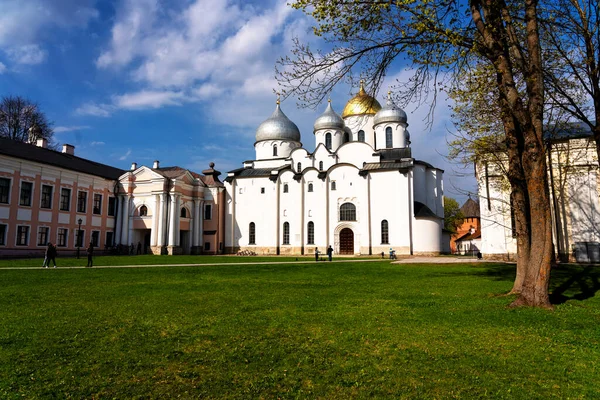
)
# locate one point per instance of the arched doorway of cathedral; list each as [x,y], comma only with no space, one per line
[346,241]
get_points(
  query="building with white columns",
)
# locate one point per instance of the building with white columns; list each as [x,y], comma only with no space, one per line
[360,191]
[170,210]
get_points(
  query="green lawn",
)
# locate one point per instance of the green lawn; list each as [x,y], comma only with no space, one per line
[162,260]
[315,330]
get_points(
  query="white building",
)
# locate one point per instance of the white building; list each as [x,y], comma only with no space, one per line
[360,190]
[574,188]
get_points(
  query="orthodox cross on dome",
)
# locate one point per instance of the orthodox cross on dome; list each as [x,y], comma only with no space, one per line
[278,94]
[362,86]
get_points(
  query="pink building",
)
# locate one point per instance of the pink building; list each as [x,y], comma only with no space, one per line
[52,196]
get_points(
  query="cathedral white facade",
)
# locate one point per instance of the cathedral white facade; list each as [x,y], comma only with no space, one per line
[360,191]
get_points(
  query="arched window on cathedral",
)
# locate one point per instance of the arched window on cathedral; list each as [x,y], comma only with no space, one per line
[346,137]
[310,187]
[361,136]
[252,233]
[385,233]
[328,140]
[286,233]
[274,150]
[285,188]
[184,213]
[333,186]
[320,165]
[311,233]
[347,212]
[299,167]
[388,138]
[143,211]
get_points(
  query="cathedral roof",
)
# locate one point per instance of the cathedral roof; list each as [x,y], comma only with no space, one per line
[394,154]
[278,127]
[361,104]
[329,120]
[390,113]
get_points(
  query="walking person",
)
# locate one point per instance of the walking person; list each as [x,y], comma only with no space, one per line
[50,255]
[330,252]
[90,254]
[316,254]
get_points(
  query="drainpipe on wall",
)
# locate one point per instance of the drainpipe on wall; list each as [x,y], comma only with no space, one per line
[554,202]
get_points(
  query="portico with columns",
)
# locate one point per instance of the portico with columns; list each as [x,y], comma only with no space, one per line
[164,210]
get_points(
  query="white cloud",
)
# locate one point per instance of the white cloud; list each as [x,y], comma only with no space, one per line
[97,143]
[23,24]
[124,156]
[95,110]
[60,129]
[209,47]
[30,54]
[128,33]
[148,99]
[2,68]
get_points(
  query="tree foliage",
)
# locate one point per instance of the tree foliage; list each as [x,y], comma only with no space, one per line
[18,116]
[571,33]
[441,40]
[453,216]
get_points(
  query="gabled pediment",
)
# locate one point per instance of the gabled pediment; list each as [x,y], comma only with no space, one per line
[146,174]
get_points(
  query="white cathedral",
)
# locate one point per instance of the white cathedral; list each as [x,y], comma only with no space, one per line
[360,191]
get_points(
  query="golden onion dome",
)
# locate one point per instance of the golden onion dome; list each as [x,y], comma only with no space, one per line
[361,104]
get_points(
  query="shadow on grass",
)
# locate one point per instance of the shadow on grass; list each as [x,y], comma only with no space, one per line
[574,282]
[567,281]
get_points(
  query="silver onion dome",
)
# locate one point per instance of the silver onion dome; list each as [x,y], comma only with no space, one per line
[278,127]
[390,113]
[329,120]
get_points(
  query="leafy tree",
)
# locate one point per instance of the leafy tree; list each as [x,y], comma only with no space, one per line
[453,216]
[443,39]
[571,33]
[19,115]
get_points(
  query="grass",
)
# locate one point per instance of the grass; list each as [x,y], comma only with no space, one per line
[163,260]
[318,330]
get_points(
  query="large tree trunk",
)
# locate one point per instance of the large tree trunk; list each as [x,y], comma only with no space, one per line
[523,122]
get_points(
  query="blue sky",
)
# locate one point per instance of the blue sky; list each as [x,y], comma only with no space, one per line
[185,82]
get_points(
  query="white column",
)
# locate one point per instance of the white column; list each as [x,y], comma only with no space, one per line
[172,220]
[154,231]
[118,221]
[160,239]
[178,203]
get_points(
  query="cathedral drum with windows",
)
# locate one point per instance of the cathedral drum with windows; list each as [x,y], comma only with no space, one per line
[360,190]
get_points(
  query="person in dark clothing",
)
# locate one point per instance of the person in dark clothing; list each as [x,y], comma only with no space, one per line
[330,252]
[50,256]
[90,254]
[316,254]
[139,248]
